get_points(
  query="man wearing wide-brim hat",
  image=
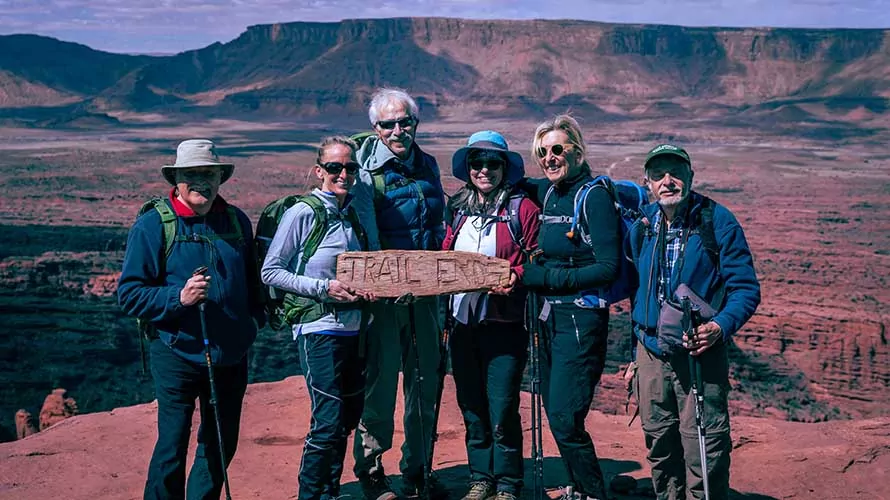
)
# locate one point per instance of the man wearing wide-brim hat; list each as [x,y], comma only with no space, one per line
[193,227]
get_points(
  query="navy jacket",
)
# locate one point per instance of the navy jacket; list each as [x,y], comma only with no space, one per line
[233,308]
[410,214]
[736,269]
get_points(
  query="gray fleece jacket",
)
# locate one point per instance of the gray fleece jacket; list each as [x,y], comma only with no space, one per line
[285,252]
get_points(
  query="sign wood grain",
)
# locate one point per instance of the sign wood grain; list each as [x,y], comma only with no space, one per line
[391,273]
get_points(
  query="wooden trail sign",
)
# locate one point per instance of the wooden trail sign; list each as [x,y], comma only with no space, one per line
[391,273]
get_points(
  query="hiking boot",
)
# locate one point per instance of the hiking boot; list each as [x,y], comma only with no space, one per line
[505,495]
[376,487]
[413,488]
[479,490]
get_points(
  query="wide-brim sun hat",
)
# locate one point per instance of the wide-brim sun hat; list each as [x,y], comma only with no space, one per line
[491,141]
[196,153]
[667,149]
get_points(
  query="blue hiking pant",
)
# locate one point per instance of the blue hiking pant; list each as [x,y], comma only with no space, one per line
[573,357]
[177,384]
[487,363]
[334,373]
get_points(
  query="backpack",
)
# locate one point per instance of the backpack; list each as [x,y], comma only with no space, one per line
[285,308]
[629,199]
[169,228]
[514,223]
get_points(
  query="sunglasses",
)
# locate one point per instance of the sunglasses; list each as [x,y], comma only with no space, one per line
[491,165]
[335,167]
[556,149]
[658,173]
[408,121]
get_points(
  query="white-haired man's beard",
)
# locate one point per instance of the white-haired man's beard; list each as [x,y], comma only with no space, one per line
[674,199]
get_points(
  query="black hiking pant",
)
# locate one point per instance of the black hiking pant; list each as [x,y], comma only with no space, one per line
[487,363]
[573,356]
[177,384]
[334,373]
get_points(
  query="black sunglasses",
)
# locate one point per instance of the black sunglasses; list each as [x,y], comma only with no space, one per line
[556,149]
[676,171]
[408,121]
[335,167]
[491,165]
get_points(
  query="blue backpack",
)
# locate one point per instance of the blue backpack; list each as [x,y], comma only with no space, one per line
[629,199]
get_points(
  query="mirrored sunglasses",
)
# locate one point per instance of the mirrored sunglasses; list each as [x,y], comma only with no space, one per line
[335,167]
[408,121]
[556,149]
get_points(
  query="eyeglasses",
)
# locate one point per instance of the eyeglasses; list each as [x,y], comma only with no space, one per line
[491,165]
[335,167]
[556,149]
[408,121]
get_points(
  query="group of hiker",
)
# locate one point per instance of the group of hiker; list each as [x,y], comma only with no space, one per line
[202,283]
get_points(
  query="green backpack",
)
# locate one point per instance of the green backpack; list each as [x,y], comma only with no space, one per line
[169,227]
[285,308]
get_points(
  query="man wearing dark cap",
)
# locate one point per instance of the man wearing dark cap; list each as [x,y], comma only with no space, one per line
[687,245]
[193,229]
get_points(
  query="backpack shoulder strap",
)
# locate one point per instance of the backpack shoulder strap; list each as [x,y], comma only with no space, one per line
[514,222]
[168,223]
[457,221]
[319,228]
[579,220]
[379,181]
[352,217]
[707,234]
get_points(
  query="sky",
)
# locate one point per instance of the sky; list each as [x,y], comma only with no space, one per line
[171,26]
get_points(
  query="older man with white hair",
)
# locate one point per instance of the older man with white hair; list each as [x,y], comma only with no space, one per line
[400,200]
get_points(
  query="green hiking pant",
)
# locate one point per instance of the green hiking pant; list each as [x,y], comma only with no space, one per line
[389,347]
[667,412]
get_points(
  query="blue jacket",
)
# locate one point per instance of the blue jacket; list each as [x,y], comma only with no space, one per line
[233,308]
[410,215]
[735,273]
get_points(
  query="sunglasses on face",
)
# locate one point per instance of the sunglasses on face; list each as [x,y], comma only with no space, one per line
[197,175]
[335,167]
[491,165]
[408,121]
[556,149]
[658,173]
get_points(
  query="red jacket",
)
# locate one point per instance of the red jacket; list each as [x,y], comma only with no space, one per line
[508,308]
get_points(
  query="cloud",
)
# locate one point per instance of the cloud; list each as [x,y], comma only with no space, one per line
[176,25]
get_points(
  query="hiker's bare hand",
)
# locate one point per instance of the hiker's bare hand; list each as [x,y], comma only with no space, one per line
[369,296]
[195,290]
[504,290]
[705,336]
[340,292]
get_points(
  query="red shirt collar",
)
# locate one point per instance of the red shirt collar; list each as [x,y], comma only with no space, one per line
[183,210]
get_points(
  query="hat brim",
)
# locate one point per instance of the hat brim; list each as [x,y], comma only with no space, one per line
[460,169]
[168,171]
[666,153]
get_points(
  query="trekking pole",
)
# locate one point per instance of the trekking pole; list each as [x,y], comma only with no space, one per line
[418,383]
[213,399]
[443,368]
[537,447]
[695,379]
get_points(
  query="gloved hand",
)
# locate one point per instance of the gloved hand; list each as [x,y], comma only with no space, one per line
[534,275]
